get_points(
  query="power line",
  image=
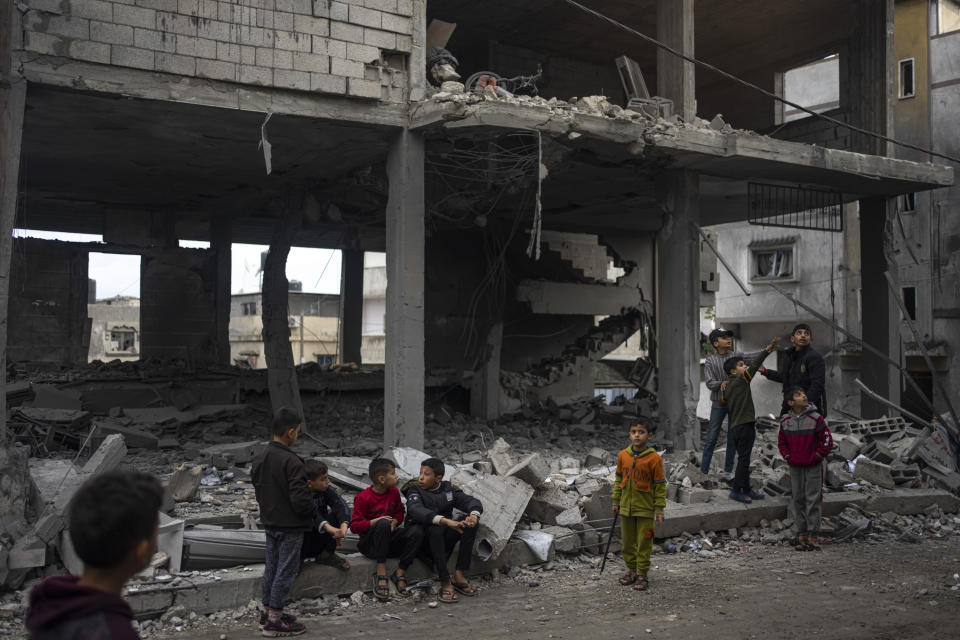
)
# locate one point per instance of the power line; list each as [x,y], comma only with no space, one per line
[747,83]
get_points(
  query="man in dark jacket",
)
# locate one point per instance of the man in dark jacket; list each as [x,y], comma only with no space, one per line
[802,367]
[430,505]
[286,511]
[113,528]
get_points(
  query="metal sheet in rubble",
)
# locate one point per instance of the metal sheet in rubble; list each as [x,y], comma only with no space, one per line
[223,548]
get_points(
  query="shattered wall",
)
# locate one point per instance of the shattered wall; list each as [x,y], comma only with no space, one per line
[48,320]
[351,48]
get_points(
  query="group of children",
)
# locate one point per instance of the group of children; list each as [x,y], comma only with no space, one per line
[113,517]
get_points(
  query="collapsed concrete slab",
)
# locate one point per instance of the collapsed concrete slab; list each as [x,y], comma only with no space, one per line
[504,501]
[874,472]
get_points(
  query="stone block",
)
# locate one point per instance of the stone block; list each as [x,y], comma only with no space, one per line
[154,40]
[504,500]
[364,17]
[596,457]
[309,24]
[692,495]
[92,9]
[196,47]
[338,10]
[111,33]
[550,501]
[878,452]
[131,57]
[565,540]
[311,62]
[256,75]
[362,53]
[134,16]
[533,469]
[380,39]
[226,52]
[346,32]
[500,458]
[181,25]
[397,24]
[107,457]
[347,69]
[184,66]
[847,446]
[293,41]
[325,83]
[66,26]
[185,482]
[570,517]
[28,553]
[215,30]
[874,472]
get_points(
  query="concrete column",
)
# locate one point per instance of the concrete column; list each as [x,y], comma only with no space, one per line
[678,309]
[404,381]
[13,95]
[675,77]
[221,243]
[485,387]
[351,305]
[880,327]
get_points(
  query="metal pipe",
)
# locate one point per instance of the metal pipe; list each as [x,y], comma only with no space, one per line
[722,260]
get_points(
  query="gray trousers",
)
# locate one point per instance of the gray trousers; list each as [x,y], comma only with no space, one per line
[806,495]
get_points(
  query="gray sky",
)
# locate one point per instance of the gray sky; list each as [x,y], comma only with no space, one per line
[117,274]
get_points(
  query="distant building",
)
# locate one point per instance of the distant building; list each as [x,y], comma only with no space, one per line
[373,344]
[114,328]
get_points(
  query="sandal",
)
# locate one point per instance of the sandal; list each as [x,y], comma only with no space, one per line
[812,545]
[334,560]
[381,587]
[799,543]
[628,578]
[396,580]
[448,595]
[642,584]
[465,588]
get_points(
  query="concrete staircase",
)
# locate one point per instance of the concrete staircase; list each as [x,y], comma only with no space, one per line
[585,254]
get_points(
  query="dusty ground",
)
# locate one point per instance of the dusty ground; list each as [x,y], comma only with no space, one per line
[870,591]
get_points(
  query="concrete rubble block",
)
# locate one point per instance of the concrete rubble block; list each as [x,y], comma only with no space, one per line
[598,508]
[351,472]
[912,501]
[407,459]
[28,553]
[570,518]
[504,500]
[533,470]
[19,496]
[185,482]
[878,452]
[107,457]
[500,458]
[905,473]
[874,472]
[848,446]
[837,476]
[587,486]
[596,457]
[233,454]
[692,495]
[549,502]
[565,540]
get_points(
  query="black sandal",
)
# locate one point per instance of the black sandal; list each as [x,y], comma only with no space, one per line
[464,588]
[396,580]
[381,587]
[448,595]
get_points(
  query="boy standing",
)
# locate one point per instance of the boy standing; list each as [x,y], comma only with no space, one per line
[113,528]
[330,528]
[805,441]
[377,516]
[717,378]
[430,504]
[802,367]
[639,495]
[286,511]
[738,397]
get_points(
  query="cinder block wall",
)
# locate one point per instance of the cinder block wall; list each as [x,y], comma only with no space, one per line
[357,48]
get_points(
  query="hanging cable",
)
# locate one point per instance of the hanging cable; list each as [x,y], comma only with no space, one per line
[746,83]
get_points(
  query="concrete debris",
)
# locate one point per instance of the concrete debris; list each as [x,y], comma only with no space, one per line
[185,482]
[500,458]
[408,460]
[511,497]
[533,470]
[874,472]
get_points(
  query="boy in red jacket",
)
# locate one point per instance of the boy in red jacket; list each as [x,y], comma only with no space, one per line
[804,441]
[377,516]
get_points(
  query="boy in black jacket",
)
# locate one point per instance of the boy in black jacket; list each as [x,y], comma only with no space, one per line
[330,527]
[286,511]
[802,367]
[430,504]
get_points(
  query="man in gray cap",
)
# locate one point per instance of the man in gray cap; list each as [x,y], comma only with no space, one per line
[722,341]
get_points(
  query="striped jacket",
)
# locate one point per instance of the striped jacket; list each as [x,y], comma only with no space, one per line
[804,439]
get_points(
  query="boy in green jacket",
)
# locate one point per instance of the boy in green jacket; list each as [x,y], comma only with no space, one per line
[639,495]
[738,398]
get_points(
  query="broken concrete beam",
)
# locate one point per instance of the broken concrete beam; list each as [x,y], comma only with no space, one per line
[407,459]
[848,445]
[550,501]
[107,457]
[28,553]
[504,501]
[874,472]
[134,438]
[596,457]
[185,482]
[564,540]
[500,458]
[533,470]
[233,454]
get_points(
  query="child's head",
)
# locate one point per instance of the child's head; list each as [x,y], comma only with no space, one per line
[641,431]
[721,339]
[317,478]
[735,366]
[431,473]
[285,426]
[802,335]
[796,399]
[113,522]
[383,473]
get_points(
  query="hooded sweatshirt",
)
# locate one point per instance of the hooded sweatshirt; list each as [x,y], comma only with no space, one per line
[738,397]
[804,439]
[640,488]
[61,609]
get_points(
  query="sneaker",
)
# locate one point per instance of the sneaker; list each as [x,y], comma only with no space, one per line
[282,628]
[756,495]
[284,617]
[740,497]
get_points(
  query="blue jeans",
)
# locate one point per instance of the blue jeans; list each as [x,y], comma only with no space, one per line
[281,567]
[717,414]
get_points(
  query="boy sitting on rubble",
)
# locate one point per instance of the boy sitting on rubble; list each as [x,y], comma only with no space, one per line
[377,516]
[286,511]
[804,442]
[639,496]
[738,397]
[330,527]
[113,527]
[430,504]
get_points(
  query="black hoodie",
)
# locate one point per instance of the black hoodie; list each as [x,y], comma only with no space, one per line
[61,609]
[427,507]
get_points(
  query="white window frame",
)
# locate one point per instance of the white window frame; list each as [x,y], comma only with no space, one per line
[795,267]
[913,73]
